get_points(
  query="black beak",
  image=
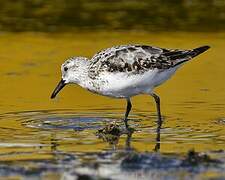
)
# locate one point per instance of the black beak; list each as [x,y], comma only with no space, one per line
[58,88]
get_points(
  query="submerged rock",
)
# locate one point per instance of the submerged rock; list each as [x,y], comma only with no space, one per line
[192,162]
[112,129]
[90,177]
[112,132]
[194,158]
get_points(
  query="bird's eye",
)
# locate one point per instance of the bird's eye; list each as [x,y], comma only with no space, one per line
[65,68]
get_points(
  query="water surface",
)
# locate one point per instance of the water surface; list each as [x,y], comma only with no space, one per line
[40,136]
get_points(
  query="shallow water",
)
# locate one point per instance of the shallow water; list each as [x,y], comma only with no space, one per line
[53,139]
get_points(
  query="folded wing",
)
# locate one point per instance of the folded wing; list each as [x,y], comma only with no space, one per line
[137,59]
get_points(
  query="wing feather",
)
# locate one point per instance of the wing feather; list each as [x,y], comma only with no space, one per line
[135,59]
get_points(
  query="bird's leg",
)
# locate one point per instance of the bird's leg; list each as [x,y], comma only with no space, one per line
[157,145]
[159,122]
[128,140]
[157,100]
[129,106]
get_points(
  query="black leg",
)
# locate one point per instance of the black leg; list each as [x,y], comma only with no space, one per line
[157,100]
[157,145]
[129,106]
[128,140]
[159,122]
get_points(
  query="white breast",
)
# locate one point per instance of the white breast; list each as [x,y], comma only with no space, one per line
[122,85]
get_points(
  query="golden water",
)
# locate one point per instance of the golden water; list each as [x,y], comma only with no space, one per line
[32,125]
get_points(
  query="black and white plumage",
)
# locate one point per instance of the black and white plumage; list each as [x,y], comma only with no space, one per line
[137,59]
[125,71]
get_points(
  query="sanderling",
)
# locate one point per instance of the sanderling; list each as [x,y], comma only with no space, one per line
[125,71]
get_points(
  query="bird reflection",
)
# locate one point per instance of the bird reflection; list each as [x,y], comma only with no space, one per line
[112,133]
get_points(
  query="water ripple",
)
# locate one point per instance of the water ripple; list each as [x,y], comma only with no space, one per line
[42,124]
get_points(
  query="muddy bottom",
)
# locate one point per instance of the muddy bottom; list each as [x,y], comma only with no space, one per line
[119,165]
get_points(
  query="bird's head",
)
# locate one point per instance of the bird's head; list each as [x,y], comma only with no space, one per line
[72,70]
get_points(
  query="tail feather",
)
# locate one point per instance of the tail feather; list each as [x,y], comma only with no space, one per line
[182,56]
[199,50]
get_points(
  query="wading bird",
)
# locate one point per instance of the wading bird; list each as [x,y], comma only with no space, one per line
[125,71]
